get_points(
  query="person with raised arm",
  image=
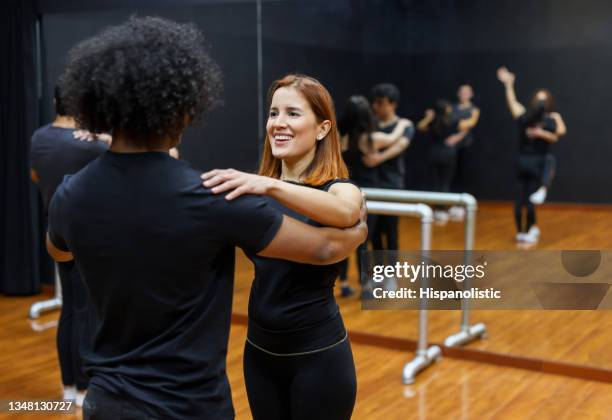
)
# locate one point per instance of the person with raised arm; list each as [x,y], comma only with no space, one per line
[539,126]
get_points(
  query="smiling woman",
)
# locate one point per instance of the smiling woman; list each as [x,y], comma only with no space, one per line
[297,349]
[293,130]
[301,116]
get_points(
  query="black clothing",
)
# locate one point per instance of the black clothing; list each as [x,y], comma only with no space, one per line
[391,175]
[372,223]
[318,386]
[386,237]
[156,252]
[442,175]
[384,234]
[460,113]
[462,172]
[71,328]
[530,168]
[529,176]
[292,306]
[550,168]
[440,152]
[362,175]
[442,156]
[391,172]
[292,311]
[56,153]
[528,146]
[102,405]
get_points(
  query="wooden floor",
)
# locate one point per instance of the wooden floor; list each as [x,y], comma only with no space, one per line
[451,389]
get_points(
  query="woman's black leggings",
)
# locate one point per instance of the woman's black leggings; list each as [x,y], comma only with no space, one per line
[443,171]
[71,327]
[443,175]
[318,386]
[550,168]
[530,169]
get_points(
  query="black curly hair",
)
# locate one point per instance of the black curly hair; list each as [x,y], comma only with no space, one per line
[148,78]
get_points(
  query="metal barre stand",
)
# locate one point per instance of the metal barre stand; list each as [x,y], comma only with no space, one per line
[48,305]
[467,332]
[425,355]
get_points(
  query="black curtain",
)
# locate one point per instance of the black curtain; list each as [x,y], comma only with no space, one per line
[19,227]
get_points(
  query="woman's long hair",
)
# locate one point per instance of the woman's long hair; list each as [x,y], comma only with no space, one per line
[357,120]
[442,120]
[327,163]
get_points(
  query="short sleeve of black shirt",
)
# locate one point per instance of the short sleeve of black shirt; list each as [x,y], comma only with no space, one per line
[409,132]
[55,153]
[289,296]
[250,214]
[329,184]
[391,172]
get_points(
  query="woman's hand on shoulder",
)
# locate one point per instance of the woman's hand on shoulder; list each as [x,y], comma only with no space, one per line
[223,180]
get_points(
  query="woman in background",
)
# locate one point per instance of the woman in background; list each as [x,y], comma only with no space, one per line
[539,126]
[359,141]
[445,134]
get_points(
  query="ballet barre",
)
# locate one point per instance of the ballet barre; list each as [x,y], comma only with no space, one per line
[467,332]
[425,355]
[48,305]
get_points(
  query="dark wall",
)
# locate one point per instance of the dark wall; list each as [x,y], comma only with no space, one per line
[228,135]
[429,47]
[426,47]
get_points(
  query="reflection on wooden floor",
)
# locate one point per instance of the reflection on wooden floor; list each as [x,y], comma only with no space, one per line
[449,390]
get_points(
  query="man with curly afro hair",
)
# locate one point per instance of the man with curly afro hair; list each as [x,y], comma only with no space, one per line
[154,247]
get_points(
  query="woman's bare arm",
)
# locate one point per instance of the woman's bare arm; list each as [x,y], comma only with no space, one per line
[507,78]
[339,207]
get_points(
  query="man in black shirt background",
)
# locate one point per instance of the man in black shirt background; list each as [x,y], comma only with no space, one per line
[55,152]
[155,248]
[390,161]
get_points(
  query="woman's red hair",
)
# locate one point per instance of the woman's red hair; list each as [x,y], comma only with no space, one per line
[327,163]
